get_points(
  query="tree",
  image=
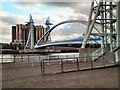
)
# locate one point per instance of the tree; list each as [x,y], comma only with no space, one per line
[11,46]
[20,46]
[5,46]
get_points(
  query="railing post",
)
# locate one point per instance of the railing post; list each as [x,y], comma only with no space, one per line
[77,64]
[94,57]
[28,58]
[41,66]
[61,65]
[2,58]
[74,59]
[91,62]
[22,58]
[49,60]
[103,60]
[85,57]
[14,58]
[39,58]
[114,59]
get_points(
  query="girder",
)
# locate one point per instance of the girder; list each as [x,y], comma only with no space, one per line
[102,13]
[105,13]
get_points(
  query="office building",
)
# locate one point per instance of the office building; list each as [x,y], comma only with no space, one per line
[20,33]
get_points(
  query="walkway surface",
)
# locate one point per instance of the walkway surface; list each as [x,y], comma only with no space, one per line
[21,75]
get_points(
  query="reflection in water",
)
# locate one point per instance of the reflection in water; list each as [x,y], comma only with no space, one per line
[32,58]
[6,58]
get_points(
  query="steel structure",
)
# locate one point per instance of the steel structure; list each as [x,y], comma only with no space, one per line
[30,41]
[104,13]
[48,26]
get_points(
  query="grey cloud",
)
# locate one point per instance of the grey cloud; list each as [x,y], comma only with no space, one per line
[82,8]
[27,4]
[68,31]
[6,39]
[14,19]
[61,4]
[6,26]
[5,35]
[38,20]
[79,7]
[57,4]
[11,19]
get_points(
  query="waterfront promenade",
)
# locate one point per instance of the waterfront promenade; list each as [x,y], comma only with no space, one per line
[27,75]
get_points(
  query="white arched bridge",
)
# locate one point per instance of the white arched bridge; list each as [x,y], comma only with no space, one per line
[69,26]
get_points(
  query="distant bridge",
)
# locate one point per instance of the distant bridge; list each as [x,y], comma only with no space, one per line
[56,44]
[66,42]
[39,44]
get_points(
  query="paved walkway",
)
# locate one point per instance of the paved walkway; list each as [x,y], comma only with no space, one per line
[28,76]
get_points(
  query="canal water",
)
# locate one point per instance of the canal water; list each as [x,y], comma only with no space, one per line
[33,57]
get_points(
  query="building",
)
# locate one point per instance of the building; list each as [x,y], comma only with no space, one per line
[20,33]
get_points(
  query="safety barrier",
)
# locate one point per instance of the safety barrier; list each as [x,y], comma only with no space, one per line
[60,65]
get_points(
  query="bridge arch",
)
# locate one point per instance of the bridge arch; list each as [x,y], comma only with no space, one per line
[64,22]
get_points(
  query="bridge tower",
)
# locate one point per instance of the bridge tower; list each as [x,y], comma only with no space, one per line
[48,26]
[30,40]
[104,14]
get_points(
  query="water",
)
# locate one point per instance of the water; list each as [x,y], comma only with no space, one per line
[33,58]
[6,58]
[66,55]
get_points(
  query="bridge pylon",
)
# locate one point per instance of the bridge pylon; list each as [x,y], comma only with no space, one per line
[30,41]
[104,22]
[47,23]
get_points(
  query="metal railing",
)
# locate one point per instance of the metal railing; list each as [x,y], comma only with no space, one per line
[60,65]
[25,58]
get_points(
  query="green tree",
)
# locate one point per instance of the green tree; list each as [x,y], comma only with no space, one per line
[5,46]
[20,46]
[11,46]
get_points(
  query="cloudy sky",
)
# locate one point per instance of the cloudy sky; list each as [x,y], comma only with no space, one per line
[17,12]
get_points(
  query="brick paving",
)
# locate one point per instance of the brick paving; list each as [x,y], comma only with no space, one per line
[27,75]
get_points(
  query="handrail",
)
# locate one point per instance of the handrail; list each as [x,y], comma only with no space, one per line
[64,58]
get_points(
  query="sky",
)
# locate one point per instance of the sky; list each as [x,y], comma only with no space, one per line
[17,12]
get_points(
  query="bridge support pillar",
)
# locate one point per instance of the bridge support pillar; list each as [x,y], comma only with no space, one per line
[118,29]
